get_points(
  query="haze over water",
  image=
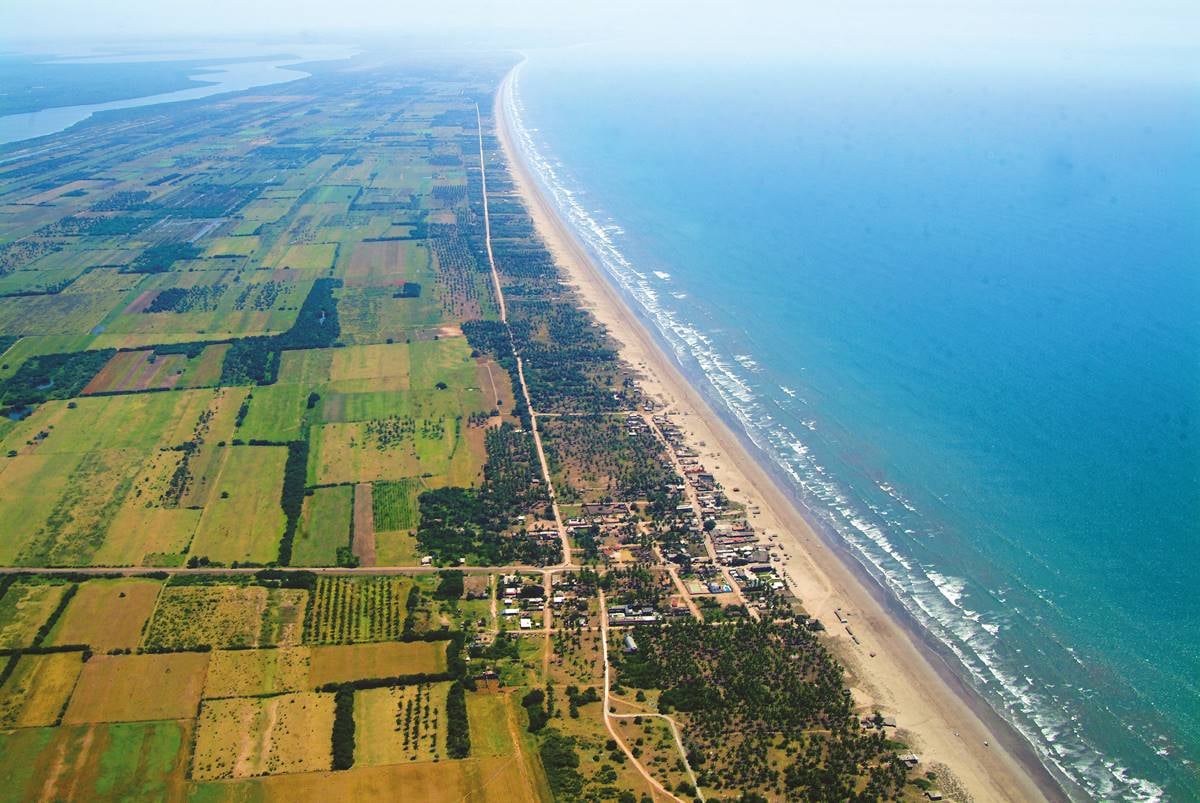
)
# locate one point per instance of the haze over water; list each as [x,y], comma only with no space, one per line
[958,309]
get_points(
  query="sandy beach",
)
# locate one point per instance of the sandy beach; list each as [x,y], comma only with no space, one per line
[888,668]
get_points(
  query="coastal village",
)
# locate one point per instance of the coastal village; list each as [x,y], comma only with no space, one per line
[395,513]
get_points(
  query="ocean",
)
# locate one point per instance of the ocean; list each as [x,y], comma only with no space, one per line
[958,311]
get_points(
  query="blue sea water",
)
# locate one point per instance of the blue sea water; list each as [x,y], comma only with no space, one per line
[960,311]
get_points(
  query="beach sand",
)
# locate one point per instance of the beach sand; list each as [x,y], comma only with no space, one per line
[888,669]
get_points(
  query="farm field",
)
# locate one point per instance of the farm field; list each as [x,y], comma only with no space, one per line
[84,476]
[341,664]
[243,737]
[491,780]
[24,608]
[352,609]
[226,616]
[324,526]
[244,522]
[251,673]
[256,340]
[120,761]
[397,724]
[132,688]
[107,614]
[38,689]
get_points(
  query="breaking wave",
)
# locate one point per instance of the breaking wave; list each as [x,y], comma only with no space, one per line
[875,528]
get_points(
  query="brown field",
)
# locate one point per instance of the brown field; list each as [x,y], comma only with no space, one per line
[38,689]
[246,673]
[107,614]
[392,725]
[133,688]
[137,370]
[496,386]
[487,780]
[377,264]
[364,525]
[242,737]
[339,664]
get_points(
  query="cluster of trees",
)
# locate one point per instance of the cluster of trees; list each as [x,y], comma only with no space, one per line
[575,698]
[255,360]
[205,199]
[570,365]
[462,522]
[292,496]
[343,728]
[536,709]
[123,201]
[458,734]
[450,585]
[259,295]
[561,763]
[595,451]
[98,226]
[161,258]
[749,690]
[52,376]
[191,299]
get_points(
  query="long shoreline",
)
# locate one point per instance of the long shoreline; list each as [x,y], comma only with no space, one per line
[891,666]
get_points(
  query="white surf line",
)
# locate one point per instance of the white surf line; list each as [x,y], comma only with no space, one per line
[533,424]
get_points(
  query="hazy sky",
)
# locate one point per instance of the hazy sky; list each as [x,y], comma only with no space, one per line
[847,27]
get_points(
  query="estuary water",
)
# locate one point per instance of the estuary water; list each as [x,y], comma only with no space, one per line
[958,311]
[212,80]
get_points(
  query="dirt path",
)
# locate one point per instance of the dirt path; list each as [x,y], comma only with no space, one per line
[693,499]
[364,525]
[537,437]
[519,753]
[547,590]
[492,380]
[609,717]
[679,586]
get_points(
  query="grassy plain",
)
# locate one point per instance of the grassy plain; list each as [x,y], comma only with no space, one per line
[37,690]
[343,663]
[25,606]
[107,614]
[134,688]
[249,673]
[240,737]
[400,723]
[324,526]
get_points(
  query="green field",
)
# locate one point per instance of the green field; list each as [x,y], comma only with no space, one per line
[324,526]
[244,521]
[143,760]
